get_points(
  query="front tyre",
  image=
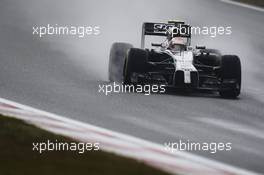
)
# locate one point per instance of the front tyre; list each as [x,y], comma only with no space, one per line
[117,56]
[231,76]
[136,62]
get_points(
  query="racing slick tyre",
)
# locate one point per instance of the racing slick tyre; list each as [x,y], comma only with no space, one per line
[117,56]
[136,62]
[231,76]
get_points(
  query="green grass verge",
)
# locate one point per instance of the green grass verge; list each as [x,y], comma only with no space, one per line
[259,3]
[17,157]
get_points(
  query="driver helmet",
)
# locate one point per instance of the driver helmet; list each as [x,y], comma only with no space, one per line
[177,44]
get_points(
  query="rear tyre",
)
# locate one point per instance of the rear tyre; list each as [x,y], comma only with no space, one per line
[136,62]
[117,56]
[230,72]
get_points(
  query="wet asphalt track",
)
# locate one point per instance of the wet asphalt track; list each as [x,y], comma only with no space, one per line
[62,74]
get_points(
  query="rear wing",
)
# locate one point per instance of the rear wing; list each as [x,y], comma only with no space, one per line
[161,29]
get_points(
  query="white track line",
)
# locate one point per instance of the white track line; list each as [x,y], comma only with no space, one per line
[244,5]
[232,126]
[153,154]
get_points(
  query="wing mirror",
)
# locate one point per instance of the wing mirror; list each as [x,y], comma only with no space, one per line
[200,47]
[189,48]
[156,44]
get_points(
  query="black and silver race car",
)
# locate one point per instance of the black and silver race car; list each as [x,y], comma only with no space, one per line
[174,63]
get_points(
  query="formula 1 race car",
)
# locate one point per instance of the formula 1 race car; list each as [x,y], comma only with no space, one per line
[174,63]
